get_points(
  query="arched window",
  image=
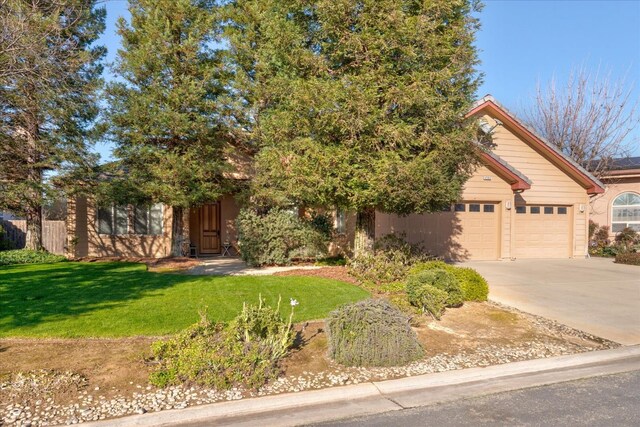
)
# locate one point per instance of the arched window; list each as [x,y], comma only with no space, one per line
[626,212]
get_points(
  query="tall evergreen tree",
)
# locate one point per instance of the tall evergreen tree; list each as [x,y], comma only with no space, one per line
[163,109]
[49,79]
[356,103]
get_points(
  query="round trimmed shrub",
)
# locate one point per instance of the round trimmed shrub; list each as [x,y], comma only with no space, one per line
[371,333]
[474,286]
[427,298]
[441,279]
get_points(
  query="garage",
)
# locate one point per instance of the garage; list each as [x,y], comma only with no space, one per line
[479,235]
[542,231]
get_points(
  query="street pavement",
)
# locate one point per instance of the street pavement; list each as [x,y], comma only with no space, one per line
[606,401]
[593,295]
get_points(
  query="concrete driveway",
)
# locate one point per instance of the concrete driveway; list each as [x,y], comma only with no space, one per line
[594,295]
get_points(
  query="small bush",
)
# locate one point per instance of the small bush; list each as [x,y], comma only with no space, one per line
[441,279]
[474,286]
[371,333]
[627,237]
[631,258]
[246,352]
[390,262]
[278,237]
[25,256]
[427,298]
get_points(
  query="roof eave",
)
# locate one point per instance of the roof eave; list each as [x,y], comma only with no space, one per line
[591,184]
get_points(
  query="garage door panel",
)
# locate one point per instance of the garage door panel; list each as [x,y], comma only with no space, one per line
[542,235]
[478,236]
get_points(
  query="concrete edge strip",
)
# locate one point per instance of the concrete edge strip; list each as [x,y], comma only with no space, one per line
[507,369]
[382,389]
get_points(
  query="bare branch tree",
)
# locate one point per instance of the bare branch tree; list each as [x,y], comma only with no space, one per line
[590,118]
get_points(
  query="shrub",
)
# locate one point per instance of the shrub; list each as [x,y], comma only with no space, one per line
[627,237]
[427,298]
[631,258]
[26,256]
[474,286]
[371,333]
[277,238]
[246,352]
[390,262]
[441,279]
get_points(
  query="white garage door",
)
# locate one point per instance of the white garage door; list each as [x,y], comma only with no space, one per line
[479,234]
[542,231]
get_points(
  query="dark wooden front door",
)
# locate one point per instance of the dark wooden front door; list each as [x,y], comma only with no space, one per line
[210,228]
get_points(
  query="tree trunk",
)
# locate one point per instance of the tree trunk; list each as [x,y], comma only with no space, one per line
[365,232]
[33,238]
[180,232]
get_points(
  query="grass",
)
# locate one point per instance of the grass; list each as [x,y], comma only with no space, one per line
[122,299]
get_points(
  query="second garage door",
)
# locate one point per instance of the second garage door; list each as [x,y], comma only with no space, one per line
[542,231]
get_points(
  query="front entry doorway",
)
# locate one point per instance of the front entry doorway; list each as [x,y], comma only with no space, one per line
[210,229]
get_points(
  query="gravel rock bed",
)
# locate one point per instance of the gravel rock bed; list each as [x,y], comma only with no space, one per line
[33,405]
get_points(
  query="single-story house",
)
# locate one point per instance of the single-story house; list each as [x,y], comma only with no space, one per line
[526,200]
[619,206]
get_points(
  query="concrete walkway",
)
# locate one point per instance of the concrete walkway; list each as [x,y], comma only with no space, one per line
[294,409]
[233,266]
[594,295]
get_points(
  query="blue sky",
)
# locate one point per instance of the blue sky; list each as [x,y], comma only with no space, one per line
[523,43]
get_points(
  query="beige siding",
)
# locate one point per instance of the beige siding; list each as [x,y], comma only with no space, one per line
[93,244]
[461,236]
[549,184]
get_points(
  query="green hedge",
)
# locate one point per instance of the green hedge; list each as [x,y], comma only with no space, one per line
[25,256]
[474,286]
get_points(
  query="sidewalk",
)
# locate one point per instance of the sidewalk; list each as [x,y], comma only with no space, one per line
[370,398]
[234,266]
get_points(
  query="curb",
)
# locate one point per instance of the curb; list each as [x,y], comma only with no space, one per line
[377,397]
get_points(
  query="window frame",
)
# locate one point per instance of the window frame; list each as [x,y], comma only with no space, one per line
[632,224]
[128,226]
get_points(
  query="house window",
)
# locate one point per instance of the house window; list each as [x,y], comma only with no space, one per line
[562,211]
[147,219]
[521,209]
[113,220]
[625,212]
[535,209]
[548,210]
[459,207]
[341,221]
[488,208]
[474,208]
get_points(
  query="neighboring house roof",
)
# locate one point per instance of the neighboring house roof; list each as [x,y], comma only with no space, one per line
[628,167]
[513,176]
[626,163]
[564,162]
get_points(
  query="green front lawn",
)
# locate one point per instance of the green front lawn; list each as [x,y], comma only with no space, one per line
[119,299]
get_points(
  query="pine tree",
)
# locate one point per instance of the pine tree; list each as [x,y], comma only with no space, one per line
[163,113]
[49,80]
[356,104]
